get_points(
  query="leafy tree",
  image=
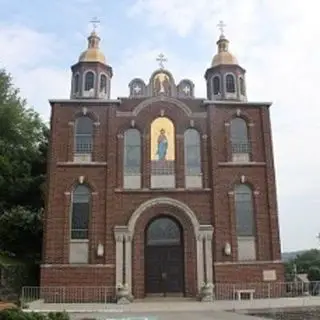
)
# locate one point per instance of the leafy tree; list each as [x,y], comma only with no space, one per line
[21,233]
[307,259]
[314,273]
[23,148]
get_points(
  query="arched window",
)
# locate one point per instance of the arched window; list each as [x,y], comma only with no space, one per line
[132,159]
[216,85]
[76,83]
[83,137]
[80,213]
[192,159]
[230,84]
[103,84]
[192,152]
[239,140]
[89,81]
[245,222]
[244,211]
[241,85]
[132,151]
[163,231]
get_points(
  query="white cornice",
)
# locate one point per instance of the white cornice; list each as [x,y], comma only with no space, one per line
[227,103]
[86,101]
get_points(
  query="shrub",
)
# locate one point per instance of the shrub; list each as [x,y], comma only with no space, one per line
[15,314]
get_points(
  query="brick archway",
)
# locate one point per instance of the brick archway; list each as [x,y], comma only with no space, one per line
[130,245]
[138,254]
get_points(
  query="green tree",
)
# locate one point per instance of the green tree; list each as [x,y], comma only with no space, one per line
[314,273]
[23,149]
[21,233]
[307,259]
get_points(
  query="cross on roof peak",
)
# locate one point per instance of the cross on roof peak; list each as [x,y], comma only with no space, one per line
[161,59]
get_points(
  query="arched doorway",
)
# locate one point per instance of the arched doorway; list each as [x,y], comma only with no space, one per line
[164,267]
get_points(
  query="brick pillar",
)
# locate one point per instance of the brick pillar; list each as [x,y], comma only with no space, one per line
[256,212]
[204,161]
[146,162]
[228,146]
[96,152]
[70,144]
[179,162]
[233,231]
[120,160]
[66,233]
[252,142]
[275,253]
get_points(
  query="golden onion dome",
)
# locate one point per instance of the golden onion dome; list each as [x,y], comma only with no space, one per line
[223,56]
[93,53]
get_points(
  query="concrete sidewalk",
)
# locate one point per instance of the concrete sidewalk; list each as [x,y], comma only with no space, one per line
[183,305]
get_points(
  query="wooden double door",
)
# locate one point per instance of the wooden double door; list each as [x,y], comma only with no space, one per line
[164,265]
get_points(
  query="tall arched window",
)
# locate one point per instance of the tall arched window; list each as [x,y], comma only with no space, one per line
[242,87]
[89,81]
[80,212]
[230,84]
[83,139]
[239,140]
[76,83]
[192,158]
[132,159]
[245,225]
[103,84]
[216,85]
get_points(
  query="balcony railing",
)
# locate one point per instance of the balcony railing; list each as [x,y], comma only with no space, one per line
[241,147]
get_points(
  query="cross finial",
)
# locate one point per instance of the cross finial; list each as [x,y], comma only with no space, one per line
[221,26]
[95,22]
[161,59]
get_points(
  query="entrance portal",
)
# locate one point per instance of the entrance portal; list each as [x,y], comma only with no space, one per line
[164,265]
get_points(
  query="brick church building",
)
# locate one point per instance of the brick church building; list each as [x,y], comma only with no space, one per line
[160,190]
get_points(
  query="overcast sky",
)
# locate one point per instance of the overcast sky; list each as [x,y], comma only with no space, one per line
[275,41]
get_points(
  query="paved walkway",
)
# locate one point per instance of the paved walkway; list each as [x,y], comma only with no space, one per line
[183,305]
[203,315]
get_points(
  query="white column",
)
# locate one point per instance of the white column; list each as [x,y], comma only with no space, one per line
[208,253]
[118,234]
[200,266]
[128,261]
[206,232]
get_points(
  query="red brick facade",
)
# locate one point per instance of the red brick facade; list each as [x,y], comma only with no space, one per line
[111,205]
[211,207]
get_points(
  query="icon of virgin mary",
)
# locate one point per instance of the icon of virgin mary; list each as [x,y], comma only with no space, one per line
[162,145]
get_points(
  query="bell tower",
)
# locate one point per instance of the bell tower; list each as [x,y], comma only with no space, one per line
[225,77]
[91,75]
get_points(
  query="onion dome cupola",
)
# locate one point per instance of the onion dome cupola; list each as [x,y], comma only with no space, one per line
[91,75]
[225,77]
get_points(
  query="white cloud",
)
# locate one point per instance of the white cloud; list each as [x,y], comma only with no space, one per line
[276,42]
[27,54]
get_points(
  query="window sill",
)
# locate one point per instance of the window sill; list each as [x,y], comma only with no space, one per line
[78,265]
[247,262]
[241,164]
[176,190]
[81,164]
